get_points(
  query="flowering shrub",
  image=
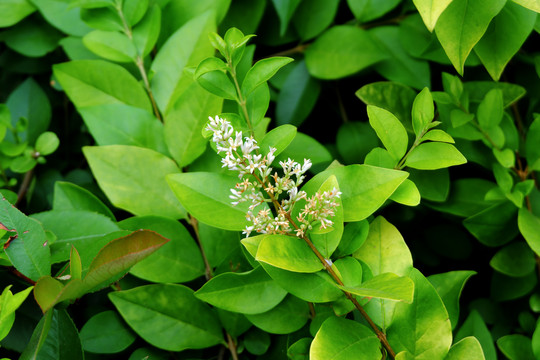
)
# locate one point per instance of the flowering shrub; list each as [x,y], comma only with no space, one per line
[134,228]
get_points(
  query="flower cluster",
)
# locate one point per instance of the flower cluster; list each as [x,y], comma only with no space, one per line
[242,155]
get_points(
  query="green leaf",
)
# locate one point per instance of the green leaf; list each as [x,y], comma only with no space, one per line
[423,111]
[287,317]
[109,265]
[532,150]
[206,196]
[516,347]
[312,287]
[312,17]
[504,37]
[367,10]
[342,51]
[505,288]
[186,47]
[61,15]
[14,11]
[177,261]
[262,71]
[30,102]
[106,333]
[97,82]
[434,155]
[32,38]
[506,157]
[298,95]
[185,323]
[529,224]
[467,197]
[381,158]
[285,10]
[477,90]
[47,143]
[462,25]
[83,229]
[68,196]
[490,111]
[288,253]
[529,4]
[449,286]
[8,304]
[514,260]
[423,327]
[353,237]
[386,286]
[494,226]
[304,146]
[57,339]
[103,17]
[394,97]
[111,45]
[252,292]
[365,188]
[121,124]
[430,10]
[433,185]
[134,10]
[278,138]
[146,33]
[390,130]
[437,135]
[400,66]
[215,81]
[475,326]
[342,339]
[185,120]
[384,251]
[26,248]
[407,194]
[467,348]
[355,140]
[133,179]
[75,264]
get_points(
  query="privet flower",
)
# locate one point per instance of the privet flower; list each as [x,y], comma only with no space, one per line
[256,175]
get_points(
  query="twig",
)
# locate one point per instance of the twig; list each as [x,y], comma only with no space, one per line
[232,346]
[208,273]
[24,186]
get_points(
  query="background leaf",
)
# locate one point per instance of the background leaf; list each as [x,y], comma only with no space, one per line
[141,173]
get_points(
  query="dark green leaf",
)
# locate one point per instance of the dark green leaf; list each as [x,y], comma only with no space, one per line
[495,225]
[106,333]
[290,315]
[514,260]
[297,96]
[252,292]
[516,347]
[185,323]
[57,339]
[141,172]
[475,326]
[341,51]
[68,196]
[449,287]
[27,250]
[394,97]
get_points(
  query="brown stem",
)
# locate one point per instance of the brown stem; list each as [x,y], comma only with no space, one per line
[22,276]
[208,273]
[232,347]
[24,186]
[295,50]
[519,122]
